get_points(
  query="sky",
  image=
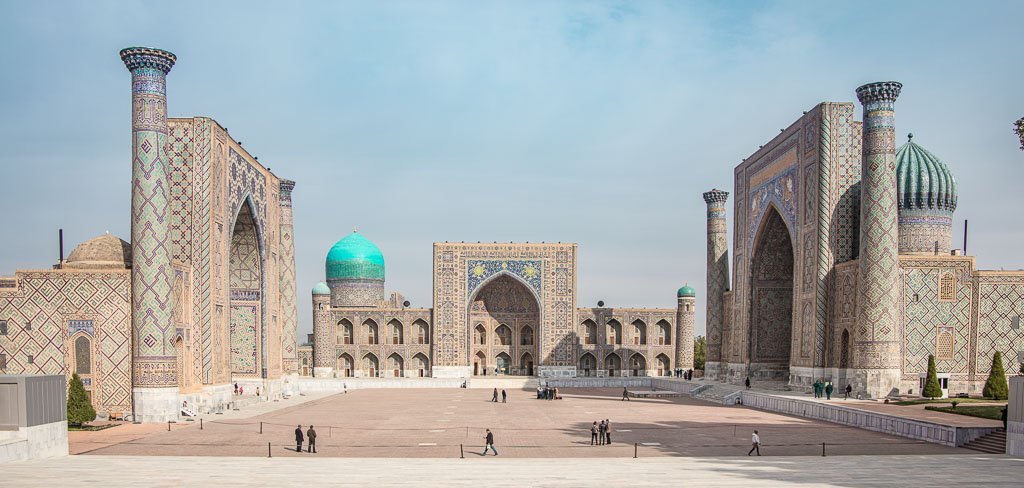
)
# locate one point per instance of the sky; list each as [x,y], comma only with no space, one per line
[599,123]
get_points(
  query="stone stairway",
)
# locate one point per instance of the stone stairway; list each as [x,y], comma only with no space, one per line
[722,394]
[994,443]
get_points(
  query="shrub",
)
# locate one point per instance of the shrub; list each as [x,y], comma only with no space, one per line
[79,407]
[931,384]
[996,387]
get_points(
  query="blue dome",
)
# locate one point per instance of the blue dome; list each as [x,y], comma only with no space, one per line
[321,289]
[686,291]
[924,182]
[355,258]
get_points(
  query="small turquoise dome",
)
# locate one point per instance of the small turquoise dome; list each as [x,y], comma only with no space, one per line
[321,289]
[686,291]
[355,258]
[924,182]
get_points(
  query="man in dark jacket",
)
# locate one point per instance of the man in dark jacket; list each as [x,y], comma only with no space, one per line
[489,443]
[311,434]
[298,439]
[494,397]
[503,396]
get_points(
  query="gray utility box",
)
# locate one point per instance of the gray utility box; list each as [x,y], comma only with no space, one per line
[28,401]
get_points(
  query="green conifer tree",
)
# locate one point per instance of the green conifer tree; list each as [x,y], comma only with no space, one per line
[996,387]
[79,407]
[931,384]
[700,350]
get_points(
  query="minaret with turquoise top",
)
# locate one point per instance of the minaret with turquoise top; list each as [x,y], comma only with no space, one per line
[154,362]
[686,314]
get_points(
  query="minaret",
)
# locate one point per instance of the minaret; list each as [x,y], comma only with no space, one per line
[717,281]
[686,315]
[876,344]
[289,312]
[323,332]
[155,382]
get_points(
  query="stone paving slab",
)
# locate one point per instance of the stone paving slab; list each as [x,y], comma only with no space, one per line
[838,471]
[418,423]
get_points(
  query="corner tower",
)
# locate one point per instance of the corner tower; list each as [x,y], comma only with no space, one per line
[877,337]
[154,386]
[686,314]
[717,280]
[323,332]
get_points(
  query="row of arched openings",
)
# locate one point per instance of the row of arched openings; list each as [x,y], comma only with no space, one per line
[370,333]
[613,365]
[394,366]
[638,336]
[503,335]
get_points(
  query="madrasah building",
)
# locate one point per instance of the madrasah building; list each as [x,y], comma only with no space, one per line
[843,263]
[202,298]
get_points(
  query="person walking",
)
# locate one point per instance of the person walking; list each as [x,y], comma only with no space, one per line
[815,386]
[625,394]
[503,397]
[746,382]
[849,389]
[600,433]
[489,443]
[311,435]
[756,441]
[593,433]
[236,388]
[298,438]
[494,397]
[607,432]
[828,390]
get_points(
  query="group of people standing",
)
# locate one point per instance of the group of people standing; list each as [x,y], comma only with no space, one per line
[686,374]
[310,434]
[601,433]
[825,388]
[240,390]
[548,393]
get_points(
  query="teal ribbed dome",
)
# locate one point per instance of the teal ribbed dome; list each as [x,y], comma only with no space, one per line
[924,182]
[321,289]
[355,258]
[686,291]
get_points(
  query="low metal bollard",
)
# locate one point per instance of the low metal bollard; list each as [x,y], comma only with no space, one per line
[822,449]
[261,427]
[200,423]
[168,426]
[634,450]
[268,450]
[462,453]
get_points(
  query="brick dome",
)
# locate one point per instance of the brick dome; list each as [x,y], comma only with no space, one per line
[105,251]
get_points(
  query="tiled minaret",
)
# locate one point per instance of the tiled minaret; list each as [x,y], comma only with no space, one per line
[686,314]
[717,281]
[154,389]
[876,345]
[289,311]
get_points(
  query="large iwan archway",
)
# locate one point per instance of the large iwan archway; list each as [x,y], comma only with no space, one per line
[771,316]
[246,280]
[503,322]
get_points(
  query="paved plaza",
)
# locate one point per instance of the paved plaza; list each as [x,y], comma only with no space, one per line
[436,423]
[805,471]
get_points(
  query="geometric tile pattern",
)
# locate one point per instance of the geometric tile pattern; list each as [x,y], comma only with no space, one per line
[1000,300]
[61,304]
[243,339]
[876,336]
[288,289]
[548,269]
[151,273]
[717,270]
[924,314]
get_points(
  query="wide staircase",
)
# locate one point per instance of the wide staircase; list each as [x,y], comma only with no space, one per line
[994,443]
[722,394]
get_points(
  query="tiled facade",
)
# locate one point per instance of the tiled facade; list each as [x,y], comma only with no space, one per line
[499,309]
[204,300]
[820,285]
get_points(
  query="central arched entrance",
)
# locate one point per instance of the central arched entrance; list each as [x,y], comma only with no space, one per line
[503,319]
[771,325]
[246,281]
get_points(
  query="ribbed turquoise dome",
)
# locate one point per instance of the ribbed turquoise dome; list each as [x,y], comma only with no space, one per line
[924,182]
[686,291]
[355,258]
[321,289]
